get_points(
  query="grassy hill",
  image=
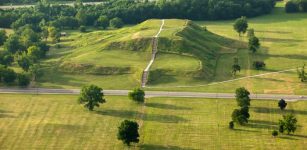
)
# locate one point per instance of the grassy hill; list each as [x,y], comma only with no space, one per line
[116,58]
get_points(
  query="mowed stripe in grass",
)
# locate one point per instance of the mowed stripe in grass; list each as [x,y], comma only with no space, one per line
[58,122]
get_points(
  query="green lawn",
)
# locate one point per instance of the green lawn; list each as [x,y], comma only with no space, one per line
[58,122]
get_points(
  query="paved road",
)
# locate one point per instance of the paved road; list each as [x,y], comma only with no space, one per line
[155,94]
[25,6]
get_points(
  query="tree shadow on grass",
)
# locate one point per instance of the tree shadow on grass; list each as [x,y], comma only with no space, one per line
[127,114]
[261,124]
[277,110]
[287,138]
[160,147]
[6,114]
[244,130]
[166,106]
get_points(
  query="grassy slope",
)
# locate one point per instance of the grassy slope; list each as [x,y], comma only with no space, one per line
[92,58]
[283,47]
[58,122]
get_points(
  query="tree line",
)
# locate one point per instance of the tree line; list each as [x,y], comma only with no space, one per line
[131,11]
[35,1]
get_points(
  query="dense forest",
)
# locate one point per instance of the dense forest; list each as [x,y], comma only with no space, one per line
[35,1]
[132,12]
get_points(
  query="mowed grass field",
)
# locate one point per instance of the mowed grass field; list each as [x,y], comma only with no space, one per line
[58,122]
[283,40]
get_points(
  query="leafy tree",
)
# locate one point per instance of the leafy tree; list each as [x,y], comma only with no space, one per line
[282,104]
[82,17]
[44,33]
[7,75]
[288,124]
[29,37]
[250,33]
[25,62]
[128,132]
[303,5]
[274,133]
[36,72]
[253,44]
[242,97]
[23,79]
[231,125]
[258,65]
[54,34]
[91,96]
[13,44]
[34,52]
[116,23]
[238,117]
[235,67]
[302,75]
[6,58]
[102,21]
[137,95]
[245,112]
[292,7]
[3,37]
[241,25]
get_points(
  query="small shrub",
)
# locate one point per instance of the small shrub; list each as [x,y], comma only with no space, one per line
[274,133]
[82,29]
[231,125]
[137,95]
[258,65]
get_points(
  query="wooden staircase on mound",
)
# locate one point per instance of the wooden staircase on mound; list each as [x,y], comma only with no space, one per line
[153,56]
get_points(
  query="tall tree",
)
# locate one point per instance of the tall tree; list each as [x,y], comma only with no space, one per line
[242,97]
[235,67]
[128,132]
[137,95]
[91,96]
[253,44]
[241,25]
[288,124]
[102,21]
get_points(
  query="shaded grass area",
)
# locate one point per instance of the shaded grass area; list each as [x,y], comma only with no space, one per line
[58,122]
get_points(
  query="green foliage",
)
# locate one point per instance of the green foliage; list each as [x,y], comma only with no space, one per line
[241,25]
[13,44]
[274,133]
[137,95]
[116,23]
[7,75]
[128,132]
[235,67]
[282,104]
[36,72]
[34,52]
[302,75]
[292,6]
[24,61]
[6,58]
[231,125]
[242,97]
[238,117]
[250,33]
[82,29]
[258,65]
[3,37]
[102,21]
[253,44]
[91,96]
[288,124]
[23,79]
[54,34]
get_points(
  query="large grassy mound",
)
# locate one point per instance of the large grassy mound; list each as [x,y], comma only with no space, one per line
[121,55]
[187,43]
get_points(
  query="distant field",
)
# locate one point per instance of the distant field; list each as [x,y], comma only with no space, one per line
[58,122]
